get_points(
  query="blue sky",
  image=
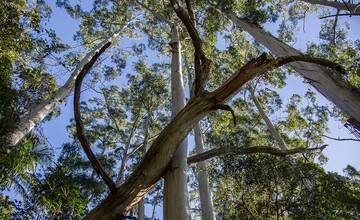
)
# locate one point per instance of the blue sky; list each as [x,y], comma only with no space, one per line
[340,154]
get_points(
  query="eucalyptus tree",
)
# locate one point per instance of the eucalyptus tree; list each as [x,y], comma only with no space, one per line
[25,46]
[147,173]
[37,112]
[115,126]
[333,85]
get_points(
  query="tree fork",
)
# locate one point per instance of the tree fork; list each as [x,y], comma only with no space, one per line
[155,162]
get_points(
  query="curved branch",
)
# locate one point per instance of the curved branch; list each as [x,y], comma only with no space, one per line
[79,126]
[226,108]
[249,150]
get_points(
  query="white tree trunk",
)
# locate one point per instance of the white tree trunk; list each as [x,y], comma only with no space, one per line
[141,204]
[280,141]
[43,109]
[324,80]
[176,203]
[206,202]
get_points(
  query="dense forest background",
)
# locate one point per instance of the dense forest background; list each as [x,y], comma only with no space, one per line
[234,109]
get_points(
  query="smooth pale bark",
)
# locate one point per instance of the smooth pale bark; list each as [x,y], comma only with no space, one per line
[206,202]
[280,141]
[338,5]
[325,81]
[176,203]
[141,205]
[43,109]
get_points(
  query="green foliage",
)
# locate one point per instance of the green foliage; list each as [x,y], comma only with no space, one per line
[263,186]
[6,208]
[126,104]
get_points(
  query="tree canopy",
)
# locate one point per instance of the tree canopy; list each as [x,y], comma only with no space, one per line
[179,105]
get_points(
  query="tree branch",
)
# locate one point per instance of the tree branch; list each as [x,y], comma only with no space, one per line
[226,108]
[155,162]
[79,126]
[249,150]
[203,65]
[262,64]
[341,139]
[191,12]
[337,5]
[334,27]
[337,15]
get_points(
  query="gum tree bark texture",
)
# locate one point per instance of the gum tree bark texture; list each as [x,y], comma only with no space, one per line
[176,204]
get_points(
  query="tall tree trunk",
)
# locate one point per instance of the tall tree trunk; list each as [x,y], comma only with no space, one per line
[37,113]
[206,202]
[326,81]
[141,210]
[176,204]
[141,204]
[280,141]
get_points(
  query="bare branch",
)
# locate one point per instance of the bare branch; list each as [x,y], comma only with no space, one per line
[79,126]
[334,27]
[249,150]
[341,139]
[337,15]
